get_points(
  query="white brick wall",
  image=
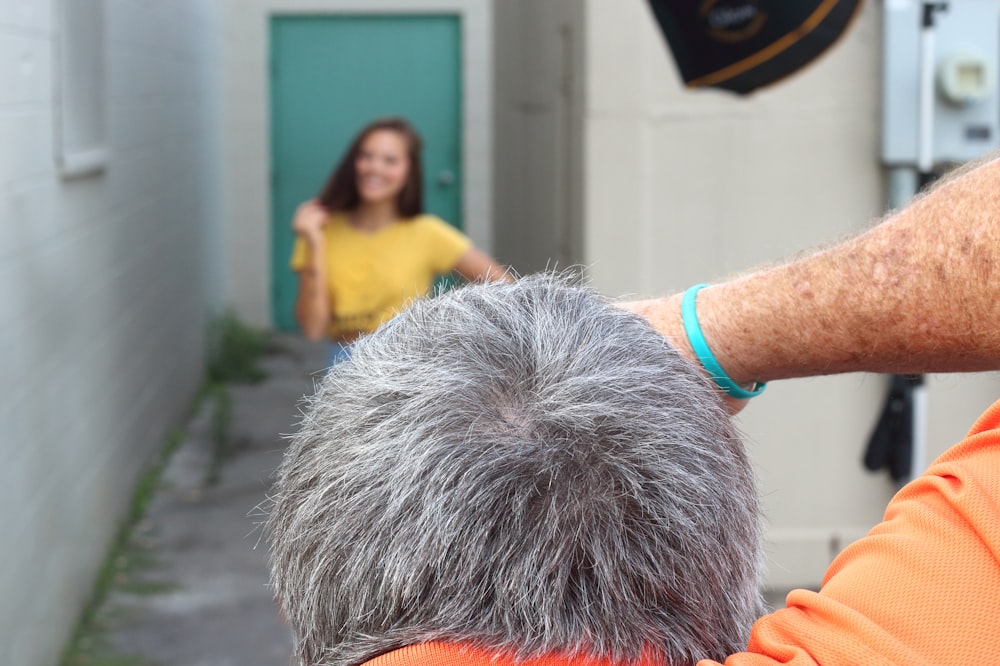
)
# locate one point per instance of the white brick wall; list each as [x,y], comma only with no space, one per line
[105,284]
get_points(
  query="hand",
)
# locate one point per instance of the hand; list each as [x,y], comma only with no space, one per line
[310,218]
[664,315]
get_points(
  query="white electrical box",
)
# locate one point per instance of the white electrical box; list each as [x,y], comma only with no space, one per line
[966,112]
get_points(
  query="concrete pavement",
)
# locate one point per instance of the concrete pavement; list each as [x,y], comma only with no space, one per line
[212,606]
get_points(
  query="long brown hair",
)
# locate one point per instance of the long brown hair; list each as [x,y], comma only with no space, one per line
[340,193]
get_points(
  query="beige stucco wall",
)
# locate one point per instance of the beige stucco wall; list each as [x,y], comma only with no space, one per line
[687,186]
[538,118]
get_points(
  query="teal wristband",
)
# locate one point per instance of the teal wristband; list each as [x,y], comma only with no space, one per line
[689,315]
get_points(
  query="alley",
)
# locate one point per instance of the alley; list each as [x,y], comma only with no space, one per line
[205,602]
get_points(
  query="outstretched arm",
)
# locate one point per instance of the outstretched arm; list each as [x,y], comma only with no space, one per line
[477,266]
[920,292]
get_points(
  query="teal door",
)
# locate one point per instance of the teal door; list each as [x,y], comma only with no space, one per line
[331,75]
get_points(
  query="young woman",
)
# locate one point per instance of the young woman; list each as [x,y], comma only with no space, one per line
[364,247]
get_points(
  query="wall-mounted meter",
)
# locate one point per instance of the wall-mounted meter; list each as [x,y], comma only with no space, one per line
[966,112]
[966,78]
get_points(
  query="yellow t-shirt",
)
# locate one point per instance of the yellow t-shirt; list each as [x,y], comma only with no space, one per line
[371,276]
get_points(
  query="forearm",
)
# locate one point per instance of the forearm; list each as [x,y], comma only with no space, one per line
[312,304]
[916,293]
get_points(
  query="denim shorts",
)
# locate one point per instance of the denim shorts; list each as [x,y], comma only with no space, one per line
[338,353]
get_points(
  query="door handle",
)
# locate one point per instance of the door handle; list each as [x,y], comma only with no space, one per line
[446,178]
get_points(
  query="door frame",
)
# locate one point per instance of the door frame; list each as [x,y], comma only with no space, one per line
[245,115]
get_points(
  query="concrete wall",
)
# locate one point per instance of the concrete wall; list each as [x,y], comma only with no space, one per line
[247,153]
[690,186]
[540,96]
[106,283]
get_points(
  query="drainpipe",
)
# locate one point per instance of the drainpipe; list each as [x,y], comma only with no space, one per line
[899,440]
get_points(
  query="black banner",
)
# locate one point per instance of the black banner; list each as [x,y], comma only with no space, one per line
[742,45]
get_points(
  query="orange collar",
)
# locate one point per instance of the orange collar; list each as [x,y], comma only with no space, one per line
[454,654]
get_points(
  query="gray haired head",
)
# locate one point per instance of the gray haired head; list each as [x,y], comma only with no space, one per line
[522,468]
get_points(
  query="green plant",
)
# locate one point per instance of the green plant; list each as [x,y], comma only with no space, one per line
[222,418]
[234,349]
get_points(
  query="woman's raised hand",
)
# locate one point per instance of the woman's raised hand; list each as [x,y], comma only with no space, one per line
[310,218]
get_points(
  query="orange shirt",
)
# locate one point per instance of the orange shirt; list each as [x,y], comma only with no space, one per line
[452,654]
[923,587]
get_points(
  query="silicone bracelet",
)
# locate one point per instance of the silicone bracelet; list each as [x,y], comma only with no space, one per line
[689,315]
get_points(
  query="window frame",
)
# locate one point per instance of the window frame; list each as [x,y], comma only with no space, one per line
[80,81]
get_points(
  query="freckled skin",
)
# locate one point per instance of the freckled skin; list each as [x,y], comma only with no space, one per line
[916,293]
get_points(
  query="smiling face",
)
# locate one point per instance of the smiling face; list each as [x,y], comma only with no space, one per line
[381,167]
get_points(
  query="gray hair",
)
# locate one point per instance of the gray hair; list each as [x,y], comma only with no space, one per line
[523,468]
